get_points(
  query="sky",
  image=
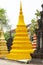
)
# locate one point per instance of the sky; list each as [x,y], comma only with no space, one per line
[12,8]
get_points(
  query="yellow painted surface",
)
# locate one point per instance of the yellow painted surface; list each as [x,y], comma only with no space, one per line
[3,46]
[21,46]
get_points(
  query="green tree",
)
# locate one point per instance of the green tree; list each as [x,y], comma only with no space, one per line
[7,35]
[34,23]
[4,22]
[37,14]
[33,26]
[3,19]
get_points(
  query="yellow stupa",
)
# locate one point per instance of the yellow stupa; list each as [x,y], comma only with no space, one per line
[21,46]
[3,46]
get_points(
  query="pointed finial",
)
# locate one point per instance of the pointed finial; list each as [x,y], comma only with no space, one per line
[21,17]
[20,6]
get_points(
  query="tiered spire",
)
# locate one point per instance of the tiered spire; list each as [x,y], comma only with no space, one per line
[3,45]
[22,46]
[21,17]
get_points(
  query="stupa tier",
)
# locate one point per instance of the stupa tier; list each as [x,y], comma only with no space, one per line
[3,46]
[21,47]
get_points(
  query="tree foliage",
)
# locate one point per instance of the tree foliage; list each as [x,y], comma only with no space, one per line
[34,23]
[3,18]
[7,35]
[4,22]
[37,14]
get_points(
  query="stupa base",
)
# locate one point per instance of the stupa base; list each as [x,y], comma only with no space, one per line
[3,56]
[18,56]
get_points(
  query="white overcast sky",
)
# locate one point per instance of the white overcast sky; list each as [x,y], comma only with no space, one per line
[12,7]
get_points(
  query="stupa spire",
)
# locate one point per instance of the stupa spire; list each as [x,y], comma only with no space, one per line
[21,17]
[21,45]
[20,7]
[3,45]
